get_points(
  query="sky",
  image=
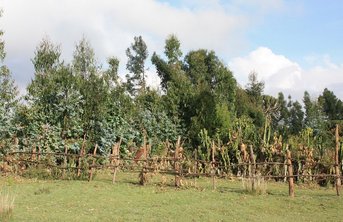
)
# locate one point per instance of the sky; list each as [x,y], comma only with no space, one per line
[293,45]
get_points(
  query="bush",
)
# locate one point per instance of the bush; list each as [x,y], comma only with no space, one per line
[255,185]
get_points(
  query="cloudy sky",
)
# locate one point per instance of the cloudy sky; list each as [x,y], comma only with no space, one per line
[293,45]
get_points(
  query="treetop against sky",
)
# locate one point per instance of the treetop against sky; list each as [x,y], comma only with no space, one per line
[292,45]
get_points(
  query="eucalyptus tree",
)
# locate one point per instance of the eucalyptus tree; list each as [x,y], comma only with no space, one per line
[38,117]
[317,121]
[54,103]
[92,87]
[84,63]
[200,90]
[172,49]
[214,91]
[296,117]
[111,74]
[8,98]
[137,54]
[40,92]
[169,71]
[314,114]
[331,105]
[255,88]
[174,81]
[254,91]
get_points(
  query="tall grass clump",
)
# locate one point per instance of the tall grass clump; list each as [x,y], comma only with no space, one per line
[255,185]
[6,205]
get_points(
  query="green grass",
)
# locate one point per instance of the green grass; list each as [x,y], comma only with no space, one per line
[100,200]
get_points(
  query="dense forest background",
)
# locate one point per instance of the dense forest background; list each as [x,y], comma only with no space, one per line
[199,100]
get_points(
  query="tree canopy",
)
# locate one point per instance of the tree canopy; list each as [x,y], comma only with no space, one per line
[79,103]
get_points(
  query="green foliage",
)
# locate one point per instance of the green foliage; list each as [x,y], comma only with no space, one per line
[46,57]
[8,100]
[332,106]
[84,63]
[255,89]
[204,150]
[200,101]
[137,53]
[172,49]
[296,117]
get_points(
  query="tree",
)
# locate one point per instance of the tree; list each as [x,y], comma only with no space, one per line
[54,102]
[47,57]
[41,92]
[314,115]
[93,88]
[8,97]
[112,72]
[332,106]
[169,71]
[214,91]
[172,49]
[84,63]
[137,53]
[255,88]
[296,117]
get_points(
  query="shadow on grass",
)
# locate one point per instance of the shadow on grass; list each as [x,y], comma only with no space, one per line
[241,191]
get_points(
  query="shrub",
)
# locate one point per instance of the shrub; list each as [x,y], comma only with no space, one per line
[255,185]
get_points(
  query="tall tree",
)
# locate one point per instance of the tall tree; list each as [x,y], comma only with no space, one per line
[92,87]
[137,53]
[255,88]
[214,92]
[47,57]
[332,106]
[172,49]
[84,62]
[41,91]
[112,71]
[296,117]
[54,103]
[169,71]
[8,96]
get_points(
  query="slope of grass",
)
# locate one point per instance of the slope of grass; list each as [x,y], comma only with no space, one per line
[100,200]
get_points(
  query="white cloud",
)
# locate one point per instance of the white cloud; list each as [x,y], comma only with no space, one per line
[280,74]
[111,25]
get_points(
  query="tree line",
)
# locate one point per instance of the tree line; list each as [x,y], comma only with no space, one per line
[199,99]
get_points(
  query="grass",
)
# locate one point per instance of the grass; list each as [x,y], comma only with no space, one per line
[6,205]
[256,185]
[100,200]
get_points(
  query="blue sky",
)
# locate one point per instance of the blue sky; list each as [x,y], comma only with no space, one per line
[293,45]
[316,28]
[298,29]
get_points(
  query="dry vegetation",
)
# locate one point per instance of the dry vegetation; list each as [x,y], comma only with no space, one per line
[6,204]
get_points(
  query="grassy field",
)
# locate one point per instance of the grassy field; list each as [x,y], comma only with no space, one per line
[100,200]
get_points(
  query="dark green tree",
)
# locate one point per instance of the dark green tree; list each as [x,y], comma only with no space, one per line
[332,106]
[93,89]
[296,117]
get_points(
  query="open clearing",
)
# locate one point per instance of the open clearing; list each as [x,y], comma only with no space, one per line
[100,200]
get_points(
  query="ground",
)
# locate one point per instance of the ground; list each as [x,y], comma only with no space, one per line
[100,200]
